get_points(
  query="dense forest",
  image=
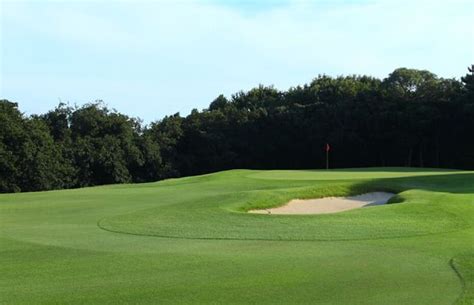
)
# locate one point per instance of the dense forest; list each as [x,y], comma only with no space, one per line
[410,118]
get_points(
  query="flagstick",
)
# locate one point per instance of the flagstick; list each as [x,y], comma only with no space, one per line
[327,158]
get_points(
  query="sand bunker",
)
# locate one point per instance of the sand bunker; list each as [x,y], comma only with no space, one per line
[329,204]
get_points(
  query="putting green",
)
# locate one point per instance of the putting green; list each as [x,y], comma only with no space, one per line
[352,174]
[191,241]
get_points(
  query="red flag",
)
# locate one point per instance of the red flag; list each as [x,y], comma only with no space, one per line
[328,148]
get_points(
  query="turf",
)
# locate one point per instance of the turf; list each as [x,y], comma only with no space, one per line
[190,241]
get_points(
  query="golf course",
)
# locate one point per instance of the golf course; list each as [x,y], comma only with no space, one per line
[192,240]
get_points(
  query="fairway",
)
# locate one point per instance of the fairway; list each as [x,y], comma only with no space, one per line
[192,241]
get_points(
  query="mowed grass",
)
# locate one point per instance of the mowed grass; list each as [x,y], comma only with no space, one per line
[190,241]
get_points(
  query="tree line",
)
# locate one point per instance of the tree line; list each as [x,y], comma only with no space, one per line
[410,118]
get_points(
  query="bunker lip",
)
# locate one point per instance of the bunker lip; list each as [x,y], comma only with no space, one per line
[328,205]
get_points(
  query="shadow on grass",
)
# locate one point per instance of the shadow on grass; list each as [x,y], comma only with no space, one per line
[448,183]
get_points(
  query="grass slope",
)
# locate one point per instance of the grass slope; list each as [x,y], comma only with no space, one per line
[189,241]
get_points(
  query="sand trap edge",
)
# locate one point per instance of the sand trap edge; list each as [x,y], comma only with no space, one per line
[327,205]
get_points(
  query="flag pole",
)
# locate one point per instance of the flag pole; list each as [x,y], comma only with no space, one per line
[327,155]
[327,159]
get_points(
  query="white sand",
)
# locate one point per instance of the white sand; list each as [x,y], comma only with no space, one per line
[328,204]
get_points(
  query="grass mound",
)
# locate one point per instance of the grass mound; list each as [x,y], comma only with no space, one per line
[211,216]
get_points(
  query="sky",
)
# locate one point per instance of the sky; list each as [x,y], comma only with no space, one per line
[149,59]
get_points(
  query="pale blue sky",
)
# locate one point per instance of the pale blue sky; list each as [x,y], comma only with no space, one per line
[152,58]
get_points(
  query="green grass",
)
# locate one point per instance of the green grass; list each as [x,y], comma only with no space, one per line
[190,241]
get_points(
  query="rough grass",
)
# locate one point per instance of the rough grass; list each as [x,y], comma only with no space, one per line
[190,241]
